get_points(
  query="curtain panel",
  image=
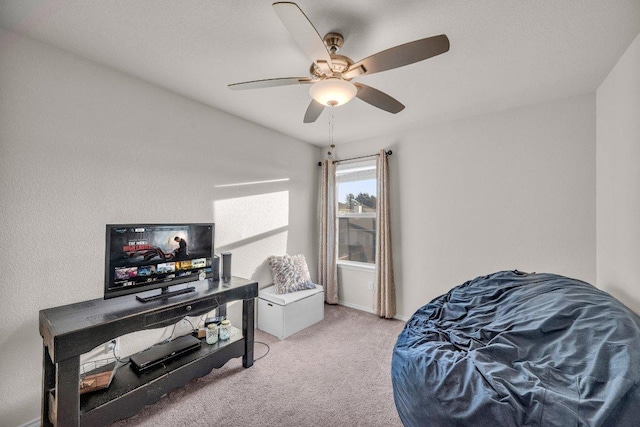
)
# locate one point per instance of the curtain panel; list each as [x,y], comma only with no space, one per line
[327,267]
[385,292]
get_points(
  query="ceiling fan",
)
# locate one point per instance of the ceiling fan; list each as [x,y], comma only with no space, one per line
[331,74]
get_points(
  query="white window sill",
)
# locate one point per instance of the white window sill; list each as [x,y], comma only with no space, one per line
[352,265]
[356,215]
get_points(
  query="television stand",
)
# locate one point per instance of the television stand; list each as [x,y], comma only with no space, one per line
[165,293]
[72,330]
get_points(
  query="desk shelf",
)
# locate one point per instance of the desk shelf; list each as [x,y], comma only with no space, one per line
[129,391]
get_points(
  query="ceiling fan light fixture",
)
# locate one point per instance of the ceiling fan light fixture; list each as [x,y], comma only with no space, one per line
[333,91]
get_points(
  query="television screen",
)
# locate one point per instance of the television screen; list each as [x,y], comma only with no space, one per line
[142,257]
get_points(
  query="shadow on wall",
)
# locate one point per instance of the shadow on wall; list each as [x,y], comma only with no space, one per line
[262,274]
[252,222]
[624,297]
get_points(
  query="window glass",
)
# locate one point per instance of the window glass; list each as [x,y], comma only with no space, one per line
[357,239]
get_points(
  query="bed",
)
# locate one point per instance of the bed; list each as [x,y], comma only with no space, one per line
[514,349]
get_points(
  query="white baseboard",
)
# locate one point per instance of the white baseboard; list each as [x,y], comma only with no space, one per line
[368,310]
[356,306]
[403,318]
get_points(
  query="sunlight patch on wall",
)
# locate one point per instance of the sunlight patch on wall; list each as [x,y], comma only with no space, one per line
[244,218]
[240,184]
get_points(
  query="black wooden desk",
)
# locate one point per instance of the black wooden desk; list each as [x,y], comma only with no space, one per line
[71,330]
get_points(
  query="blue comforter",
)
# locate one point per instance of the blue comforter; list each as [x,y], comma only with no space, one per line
[514,349]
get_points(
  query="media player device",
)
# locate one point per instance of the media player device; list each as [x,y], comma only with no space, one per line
[226,265]
[158,354]
[215,268]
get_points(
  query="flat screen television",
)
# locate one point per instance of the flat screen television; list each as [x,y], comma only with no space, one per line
[143,257]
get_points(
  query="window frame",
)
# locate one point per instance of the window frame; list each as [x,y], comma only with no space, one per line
[357,165]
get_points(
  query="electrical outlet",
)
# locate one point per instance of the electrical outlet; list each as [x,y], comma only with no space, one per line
[370,286]
[112,345]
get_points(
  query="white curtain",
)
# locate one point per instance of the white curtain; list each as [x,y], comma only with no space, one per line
[385,293]
[327,268]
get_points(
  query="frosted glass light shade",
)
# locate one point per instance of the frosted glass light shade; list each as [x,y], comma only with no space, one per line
[333,91]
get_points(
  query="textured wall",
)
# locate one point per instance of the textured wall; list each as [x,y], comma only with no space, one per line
[509,190]
[82,146]
[618,172]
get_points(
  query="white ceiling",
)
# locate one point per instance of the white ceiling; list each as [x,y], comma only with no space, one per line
[504,53]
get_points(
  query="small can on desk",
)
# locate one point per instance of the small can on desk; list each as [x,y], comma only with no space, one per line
[212,333]
[225,330]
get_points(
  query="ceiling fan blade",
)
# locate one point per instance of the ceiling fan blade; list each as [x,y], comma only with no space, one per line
[378,99]
[313,111]
[302,31]
[258,84]
[399,56]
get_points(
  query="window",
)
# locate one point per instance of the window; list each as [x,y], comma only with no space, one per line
[356,212]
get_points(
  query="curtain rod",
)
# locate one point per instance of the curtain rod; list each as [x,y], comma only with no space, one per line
[389,152]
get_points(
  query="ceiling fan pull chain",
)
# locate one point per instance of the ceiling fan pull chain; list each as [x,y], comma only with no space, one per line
[331,127]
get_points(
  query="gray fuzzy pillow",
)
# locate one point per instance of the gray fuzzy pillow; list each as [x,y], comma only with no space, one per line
[290,273]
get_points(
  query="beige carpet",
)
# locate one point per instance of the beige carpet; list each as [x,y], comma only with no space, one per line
[335,373]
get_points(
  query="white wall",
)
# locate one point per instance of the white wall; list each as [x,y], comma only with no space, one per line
[353,289]
[618,179]
[82,146]
[509,190]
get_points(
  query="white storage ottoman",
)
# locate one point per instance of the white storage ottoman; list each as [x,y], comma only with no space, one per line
[283,315]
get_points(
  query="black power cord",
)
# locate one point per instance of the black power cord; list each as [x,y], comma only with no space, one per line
[268,349]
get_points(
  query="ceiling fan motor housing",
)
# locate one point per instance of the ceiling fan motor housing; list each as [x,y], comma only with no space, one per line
[339,64]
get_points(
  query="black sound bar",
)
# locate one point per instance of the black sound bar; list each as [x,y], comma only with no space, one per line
[161,353]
